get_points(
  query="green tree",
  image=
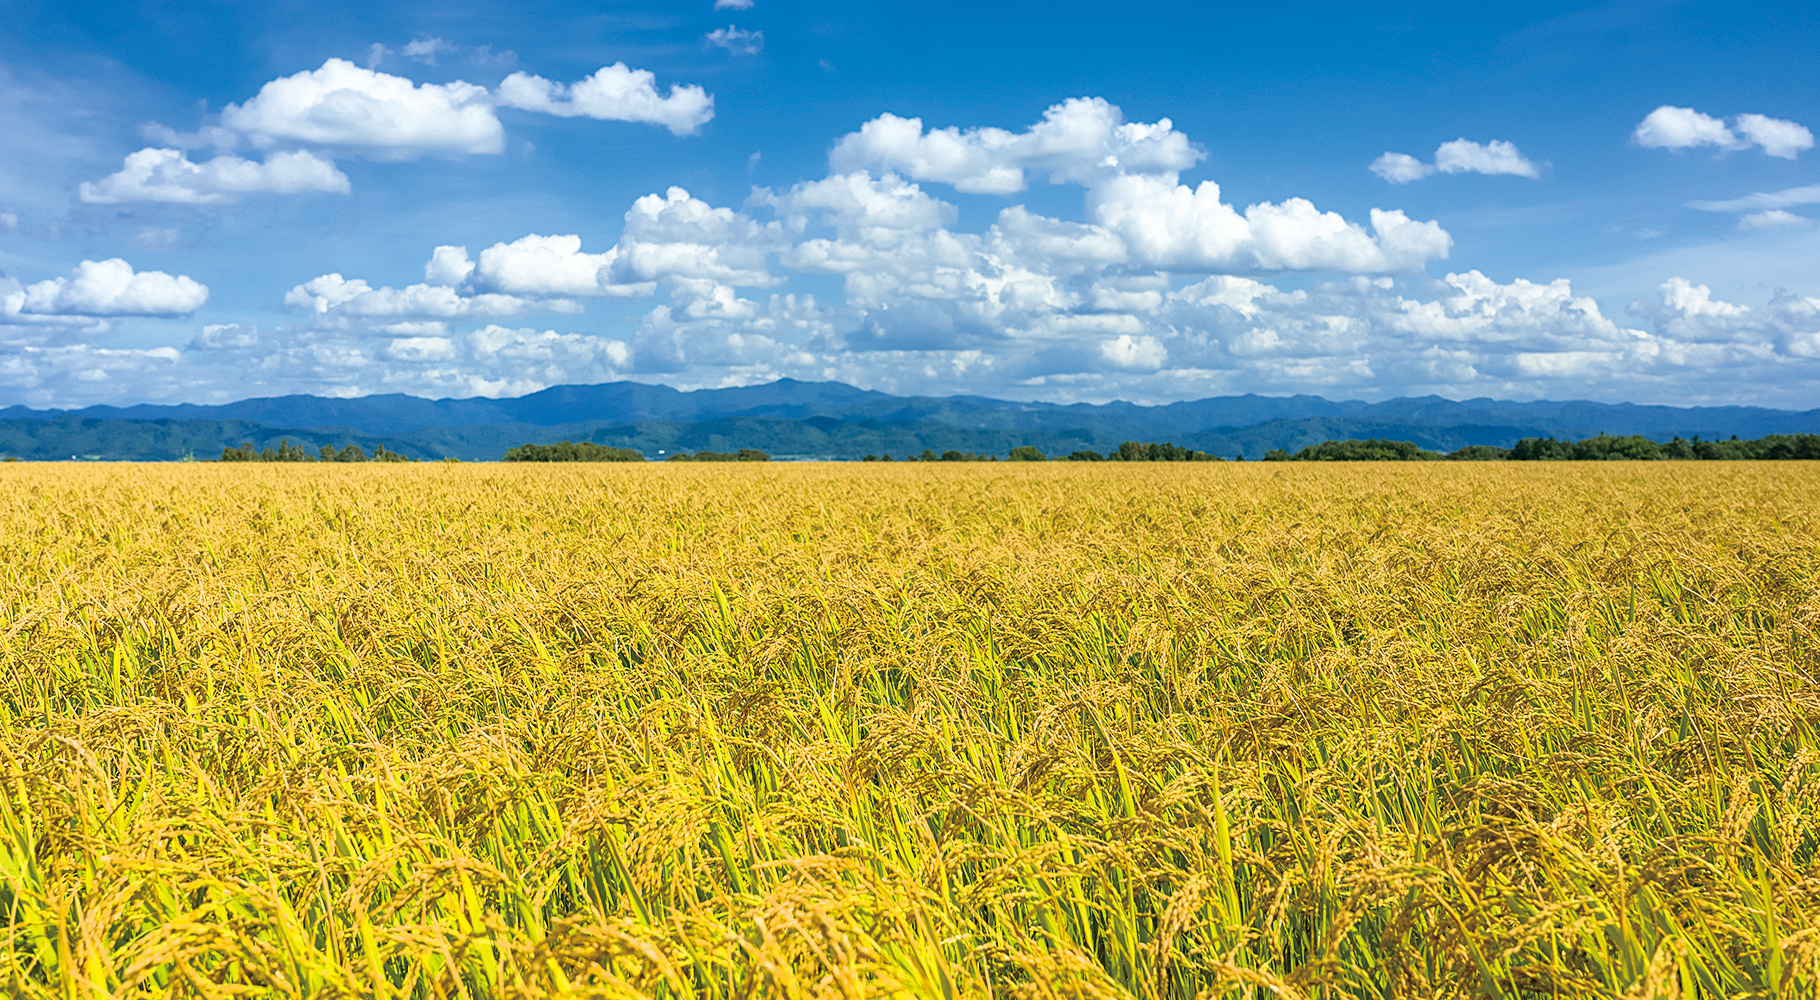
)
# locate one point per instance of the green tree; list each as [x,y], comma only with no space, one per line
[1541,450]
[1028,453]
[570,451]
[1367,450]
[1158,451]
[742,455]
[1478,453]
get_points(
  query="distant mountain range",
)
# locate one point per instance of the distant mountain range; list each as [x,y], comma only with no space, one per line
[792,419]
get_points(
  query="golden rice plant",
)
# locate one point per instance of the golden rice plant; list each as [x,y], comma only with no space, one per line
[1289,731]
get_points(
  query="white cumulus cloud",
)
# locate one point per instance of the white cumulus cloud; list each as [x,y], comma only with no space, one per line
[1141,352]
[379,115]
[544,265]
[857,202]
[332,294]
[1670,127]
[1777,136]
[448,265]
[1174,227]
[1078,140]
[1461,156]
[614,93]
[733,4]
[1134,196]
[108,288]
[168,175]
[1494,157]
[1400,168]
[677,235]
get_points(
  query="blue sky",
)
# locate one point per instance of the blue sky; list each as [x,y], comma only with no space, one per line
[206,202]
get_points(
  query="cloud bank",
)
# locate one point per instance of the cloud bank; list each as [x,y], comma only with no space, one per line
[1163,289]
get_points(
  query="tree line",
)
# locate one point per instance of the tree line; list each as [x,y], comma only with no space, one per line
[288,452]
[1130,451]
[1603,447]
[588,451]
[742,455]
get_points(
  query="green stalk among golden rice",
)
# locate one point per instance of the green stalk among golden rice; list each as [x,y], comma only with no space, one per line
[1044,731]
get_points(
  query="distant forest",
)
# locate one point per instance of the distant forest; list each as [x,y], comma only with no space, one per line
[285,451]
[1604,447]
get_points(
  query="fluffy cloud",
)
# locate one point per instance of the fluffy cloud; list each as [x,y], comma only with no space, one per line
[701,252]
[736,41]
[733,4]
[332,294]
[1079,140]
[614,93]
[1495,157]
[1669,127]
[681,236]
[1143,353]
[106,288]
[386,117]
[673,236]
[1777,136]
[47,373]
[1457,157]
[345,109]
[1787,330]
[1400,168]
[542,265]
[168,175]
[1143,214]
[859,206]
[1173,227]
[448,265]
[224,337]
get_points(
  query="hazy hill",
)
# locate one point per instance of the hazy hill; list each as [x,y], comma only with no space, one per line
[833,420]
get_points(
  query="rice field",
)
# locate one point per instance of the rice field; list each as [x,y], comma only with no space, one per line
[1154,731]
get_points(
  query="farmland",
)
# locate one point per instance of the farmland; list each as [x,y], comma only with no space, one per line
[1159,731]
